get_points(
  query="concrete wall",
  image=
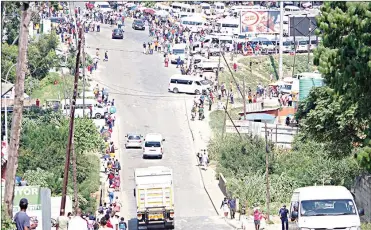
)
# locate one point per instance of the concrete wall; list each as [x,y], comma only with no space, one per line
[362,194]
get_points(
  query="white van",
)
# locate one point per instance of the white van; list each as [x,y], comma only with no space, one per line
[187,84]
[324,207]
[153,145]
[193,23]
[206,8]
[104,7]
[307,75]
[92,108]
[178,50]
[228,26]
[219,7]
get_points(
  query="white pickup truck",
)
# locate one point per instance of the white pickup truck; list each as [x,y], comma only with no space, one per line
[154,193]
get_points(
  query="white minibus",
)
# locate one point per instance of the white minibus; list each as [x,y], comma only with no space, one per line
[187,84]
[219,7]
[193,23]
[178,50]
[228,26]
[206,8]
[324,207]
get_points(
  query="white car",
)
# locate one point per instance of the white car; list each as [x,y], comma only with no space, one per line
[153,145]
[133,141]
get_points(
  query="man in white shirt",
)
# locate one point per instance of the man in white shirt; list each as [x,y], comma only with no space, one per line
[115,222]
[77,222]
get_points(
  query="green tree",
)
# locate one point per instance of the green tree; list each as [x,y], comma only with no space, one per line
[327,118]
[39,177]
[343,55]
[42,56]
[9,54]
[11,21]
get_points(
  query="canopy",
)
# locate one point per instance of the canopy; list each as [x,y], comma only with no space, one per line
[263,117]
[149,11]
[129,4]
[162,13]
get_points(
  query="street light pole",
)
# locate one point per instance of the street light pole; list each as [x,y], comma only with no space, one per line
[309,42]
[6,106]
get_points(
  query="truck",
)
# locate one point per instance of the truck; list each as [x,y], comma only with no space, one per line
[154,195]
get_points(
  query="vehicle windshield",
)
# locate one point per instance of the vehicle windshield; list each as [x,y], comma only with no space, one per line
[104,6]
[152,144]
[134,137]
[206,7]
[178,51]
[139,22]
[267,43]
[117,31]
[302,43]
[287,43]
[327,207]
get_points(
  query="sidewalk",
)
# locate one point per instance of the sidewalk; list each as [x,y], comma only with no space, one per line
[201,133]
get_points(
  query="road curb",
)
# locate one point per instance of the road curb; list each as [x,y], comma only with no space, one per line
[199,169]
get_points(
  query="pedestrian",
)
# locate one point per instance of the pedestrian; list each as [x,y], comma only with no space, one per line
[105,56]
[225,207]
[235,67]
[115,221]
[178,62]
[144,47]
[166,61]
[231,97]
[122,224]
[111,147]
[232,207]
[117,165]
[205,160]
[257,218]
[201,115]
[77,222]
[283,213]
[62,221]
[103,224]
[111,195]
[21,219]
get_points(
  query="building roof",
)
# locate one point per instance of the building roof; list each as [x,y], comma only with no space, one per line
[5,88]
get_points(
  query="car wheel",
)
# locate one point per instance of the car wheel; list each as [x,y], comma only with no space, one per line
[197,91]
[144,156]
[215,69]
[98,116]
[160,157]
[175,90]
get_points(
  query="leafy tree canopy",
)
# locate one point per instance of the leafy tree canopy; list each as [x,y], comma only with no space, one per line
[344,54]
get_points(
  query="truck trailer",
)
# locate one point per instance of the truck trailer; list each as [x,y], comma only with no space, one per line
[154,195]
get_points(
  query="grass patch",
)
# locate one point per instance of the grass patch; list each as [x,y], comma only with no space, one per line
[47,89]
[217,118]
[263,67]
[366,226]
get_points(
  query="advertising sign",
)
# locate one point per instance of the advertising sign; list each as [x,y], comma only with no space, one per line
[260,21]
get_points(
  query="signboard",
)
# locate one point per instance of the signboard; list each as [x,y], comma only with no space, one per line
[302,26]
[260,21]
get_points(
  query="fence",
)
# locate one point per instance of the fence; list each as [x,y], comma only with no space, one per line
[278,134]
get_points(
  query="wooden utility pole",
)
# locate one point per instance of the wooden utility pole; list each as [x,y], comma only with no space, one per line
[244,97]
[225,117]
[74,171]
[72,119]
[83,71]
[268,196]
[21,69]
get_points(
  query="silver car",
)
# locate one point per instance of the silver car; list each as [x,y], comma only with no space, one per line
[133,141]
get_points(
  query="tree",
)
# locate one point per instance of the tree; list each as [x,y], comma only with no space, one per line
[38,177]
[327,118]
[343,56]
[9,54]
[11,19]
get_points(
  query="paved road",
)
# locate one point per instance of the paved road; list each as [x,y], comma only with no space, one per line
[139,83]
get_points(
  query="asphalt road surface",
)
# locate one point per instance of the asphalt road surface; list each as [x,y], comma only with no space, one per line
[138,83]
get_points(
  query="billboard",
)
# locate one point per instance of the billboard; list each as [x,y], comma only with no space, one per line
[260,21]
[302,26]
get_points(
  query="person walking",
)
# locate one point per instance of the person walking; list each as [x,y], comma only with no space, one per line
[257,218]
[232,207]
[144,47]
[204,160]
[225,207]
[283,213]
[62,221]
[78,222]
[166,61]
[21,219]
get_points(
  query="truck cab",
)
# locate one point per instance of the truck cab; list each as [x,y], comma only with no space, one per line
[154,193]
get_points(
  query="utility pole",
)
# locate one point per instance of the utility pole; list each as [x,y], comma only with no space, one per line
[220,55]
[280,64]
[309,43]
[225,117]
[21,69]
[244,97]
[72,119]
[74,171]
[268,196]
[83,71]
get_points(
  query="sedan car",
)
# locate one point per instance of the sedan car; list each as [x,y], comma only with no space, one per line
[138,25]
[118,33]
[133,141]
